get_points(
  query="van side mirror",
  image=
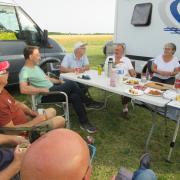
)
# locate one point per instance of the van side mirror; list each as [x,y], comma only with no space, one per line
[45,37]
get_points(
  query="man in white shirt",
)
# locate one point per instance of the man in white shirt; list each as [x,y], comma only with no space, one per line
[124,63]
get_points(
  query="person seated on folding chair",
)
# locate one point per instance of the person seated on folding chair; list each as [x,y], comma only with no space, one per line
[164,68]
[16,114]
[34,81]
[10,158]
[78,62]
[123,63]
[166,65]
[65,156]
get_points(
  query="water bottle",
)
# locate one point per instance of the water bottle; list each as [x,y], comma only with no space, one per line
[110,65]
[113,78]
[147,74]
[177,83]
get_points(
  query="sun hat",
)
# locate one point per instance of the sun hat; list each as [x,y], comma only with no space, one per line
[79,44]
[3,66]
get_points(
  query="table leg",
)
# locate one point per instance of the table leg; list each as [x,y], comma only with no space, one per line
[154,113]
[172,144]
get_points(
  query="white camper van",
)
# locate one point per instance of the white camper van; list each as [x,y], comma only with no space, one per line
[145,26]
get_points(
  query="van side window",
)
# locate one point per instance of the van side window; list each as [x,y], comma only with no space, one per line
[142,14]
[9,27]
[29,30]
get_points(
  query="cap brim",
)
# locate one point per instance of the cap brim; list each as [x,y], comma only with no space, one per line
[84,44]
[4,65]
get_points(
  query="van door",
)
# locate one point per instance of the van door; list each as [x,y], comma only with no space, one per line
[16,31]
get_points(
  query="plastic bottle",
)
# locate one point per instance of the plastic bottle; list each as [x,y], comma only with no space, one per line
[106,69]
[147,74]
[110,65]
[113,78]
[177,82]
[99,70]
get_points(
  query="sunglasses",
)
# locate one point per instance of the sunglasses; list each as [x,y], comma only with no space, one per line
[92,152]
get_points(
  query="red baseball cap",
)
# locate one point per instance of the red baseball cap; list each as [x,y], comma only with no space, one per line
[4,65]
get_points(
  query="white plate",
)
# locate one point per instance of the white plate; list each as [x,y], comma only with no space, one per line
[137,92]
[151,89]
[170,94]
[127,82]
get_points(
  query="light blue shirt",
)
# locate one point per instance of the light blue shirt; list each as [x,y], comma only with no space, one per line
[70,61]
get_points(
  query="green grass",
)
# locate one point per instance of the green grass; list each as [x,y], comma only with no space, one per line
[121,142]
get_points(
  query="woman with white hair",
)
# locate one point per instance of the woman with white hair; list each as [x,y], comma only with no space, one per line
[166,65]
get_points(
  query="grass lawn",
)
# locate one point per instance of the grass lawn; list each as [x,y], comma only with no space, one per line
[121,142]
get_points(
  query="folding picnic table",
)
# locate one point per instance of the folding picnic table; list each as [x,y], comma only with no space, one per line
[102,82]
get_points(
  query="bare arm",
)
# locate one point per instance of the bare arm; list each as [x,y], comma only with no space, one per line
[55,81]
[11,139]
[15,166]
[132,72]
[26,109]
[164,73]
[33,122]
[66,70]
[81,70]
[25,88]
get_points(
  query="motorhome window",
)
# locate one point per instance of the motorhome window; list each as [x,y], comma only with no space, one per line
[9,27]
[29,30]
[142,14]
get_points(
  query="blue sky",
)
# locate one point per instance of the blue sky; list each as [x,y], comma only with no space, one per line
[74,16]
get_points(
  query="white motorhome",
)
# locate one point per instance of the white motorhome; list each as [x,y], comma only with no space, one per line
[145,26]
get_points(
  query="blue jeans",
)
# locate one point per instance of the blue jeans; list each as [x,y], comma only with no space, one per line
[75,96]
[144,174]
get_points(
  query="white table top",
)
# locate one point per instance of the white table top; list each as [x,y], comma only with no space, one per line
[174,104]
[103,82]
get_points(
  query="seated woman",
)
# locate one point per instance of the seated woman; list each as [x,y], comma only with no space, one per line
[166,66]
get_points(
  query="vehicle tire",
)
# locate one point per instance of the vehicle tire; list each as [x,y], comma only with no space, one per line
[51,68]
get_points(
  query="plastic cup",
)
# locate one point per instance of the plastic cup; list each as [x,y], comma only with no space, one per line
[77,70]
[143,78]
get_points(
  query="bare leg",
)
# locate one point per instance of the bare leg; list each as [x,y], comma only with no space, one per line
[50,113]
[57,122]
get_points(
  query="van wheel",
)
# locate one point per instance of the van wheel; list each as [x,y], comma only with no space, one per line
[51,68]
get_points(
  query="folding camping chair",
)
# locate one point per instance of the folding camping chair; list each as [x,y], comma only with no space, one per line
[62,104]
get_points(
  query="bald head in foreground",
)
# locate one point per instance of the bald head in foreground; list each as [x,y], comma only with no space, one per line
[59,154]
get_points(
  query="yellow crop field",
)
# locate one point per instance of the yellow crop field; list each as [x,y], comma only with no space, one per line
[94,48]
[94,41]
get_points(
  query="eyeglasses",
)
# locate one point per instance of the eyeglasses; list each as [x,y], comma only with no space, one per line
[167,48]
[92,151]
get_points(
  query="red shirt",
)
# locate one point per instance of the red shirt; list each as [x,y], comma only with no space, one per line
[9,111]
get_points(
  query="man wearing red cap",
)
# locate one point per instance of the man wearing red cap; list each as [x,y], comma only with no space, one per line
[14,113]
